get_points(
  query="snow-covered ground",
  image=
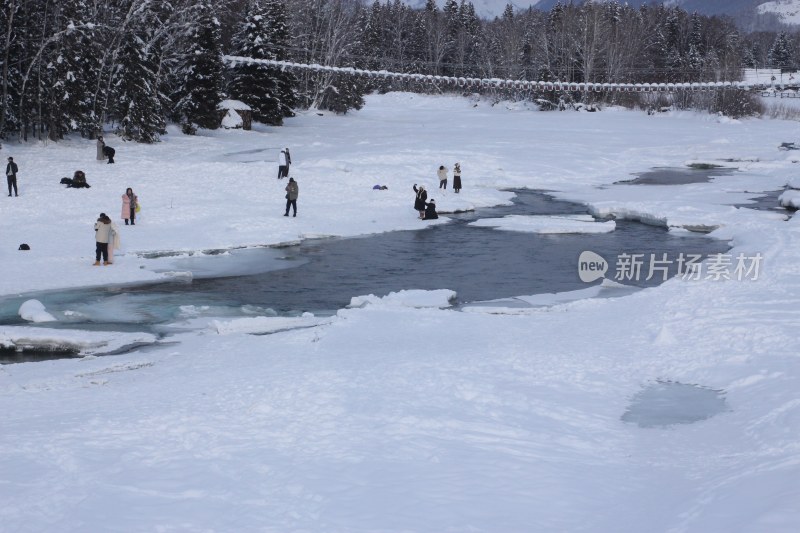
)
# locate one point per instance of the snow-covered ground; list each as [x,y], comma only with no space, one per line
[399,413]
[788,11]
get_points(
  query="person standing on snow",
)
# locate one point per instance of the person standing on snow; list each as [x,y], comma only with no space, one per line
[11,176]
[292,191]
[442,173]
[104,232]
[288,161]
[419,201]
[100,145]
[129,204]
[283,165]
[457,177]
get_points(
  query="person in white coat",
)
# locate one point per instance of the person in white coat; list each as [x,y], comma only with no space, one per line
[283,165]
[101,156]
[442,173]
[106,237]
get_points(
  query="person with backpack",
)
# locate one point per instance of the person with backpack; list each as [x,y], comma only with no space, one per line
[11,176]
[129,204]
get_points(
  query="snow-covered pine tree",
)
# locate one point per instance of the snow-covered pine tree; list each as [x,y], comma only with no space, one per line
[254,83]
[69,94]
[286,83]
[201,81]
[11,54]
[780,55]
[136,105]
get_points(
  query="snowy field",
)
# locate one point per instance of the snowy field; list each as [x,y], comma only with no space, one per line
[401,413]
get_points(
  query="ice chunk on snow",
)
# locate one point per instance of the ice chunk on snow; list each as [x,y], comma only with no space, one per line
[790,199]
[34,311]
[440,298]
[80,341]
[548,224]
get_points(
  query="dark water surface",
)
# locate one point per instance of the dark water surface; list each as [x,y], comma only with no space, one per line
[321,276]
[677,176]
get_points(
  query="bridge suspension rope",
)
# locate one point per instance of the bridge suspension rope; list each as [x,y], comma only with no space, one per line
[766,89]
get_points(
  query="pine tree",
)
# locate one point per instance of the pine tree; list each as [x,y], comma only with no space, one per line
[780,55]
[137,106]
[11,52]
[69,93]
[253,83]
[200,92]
[286,83]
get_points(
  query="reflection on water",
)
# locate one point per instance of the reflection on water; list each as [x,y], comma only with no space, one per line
[478,263]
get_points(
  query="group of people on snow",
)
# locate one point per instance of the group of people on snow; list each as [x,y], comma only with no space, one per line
[427,209]
[104,151]
[442,174]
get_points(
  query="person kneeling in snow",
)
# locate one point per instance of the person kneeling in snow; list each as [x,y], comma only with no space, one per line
[78,181]
[430,210]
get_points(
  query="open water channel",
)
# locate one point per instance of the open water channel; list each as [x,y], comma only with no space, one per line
[321,276]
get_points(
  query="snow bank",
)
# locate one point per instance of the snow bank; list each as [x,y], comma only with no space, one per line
[547,224]
[34,311]
[790,199]
[440,298]
[79,342]
[605,289]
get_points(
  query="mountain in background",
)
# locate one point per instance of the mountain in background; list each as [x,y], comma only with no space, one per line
[752,14]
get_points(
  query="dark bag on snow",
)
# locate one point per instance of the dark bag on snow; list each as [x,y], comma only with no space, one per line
[24,246]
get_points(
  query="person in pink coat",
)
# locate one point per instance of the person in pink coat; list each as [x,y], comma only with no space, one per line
[129,203]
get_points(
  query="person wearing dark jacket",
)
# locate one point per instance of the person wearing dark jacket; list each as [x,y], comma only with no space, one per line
[457,177]
[430,210]
[109,153]
[79,180]
[11,176]
[419,201]
[292,191]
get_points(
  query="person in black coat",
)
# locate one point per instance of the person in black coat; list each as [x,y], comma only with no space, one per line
[11,176]
[109,153]
[419,201]
[430,210]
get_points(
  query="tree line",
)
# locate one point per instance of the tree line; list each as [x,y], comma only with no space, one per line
[77,66]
